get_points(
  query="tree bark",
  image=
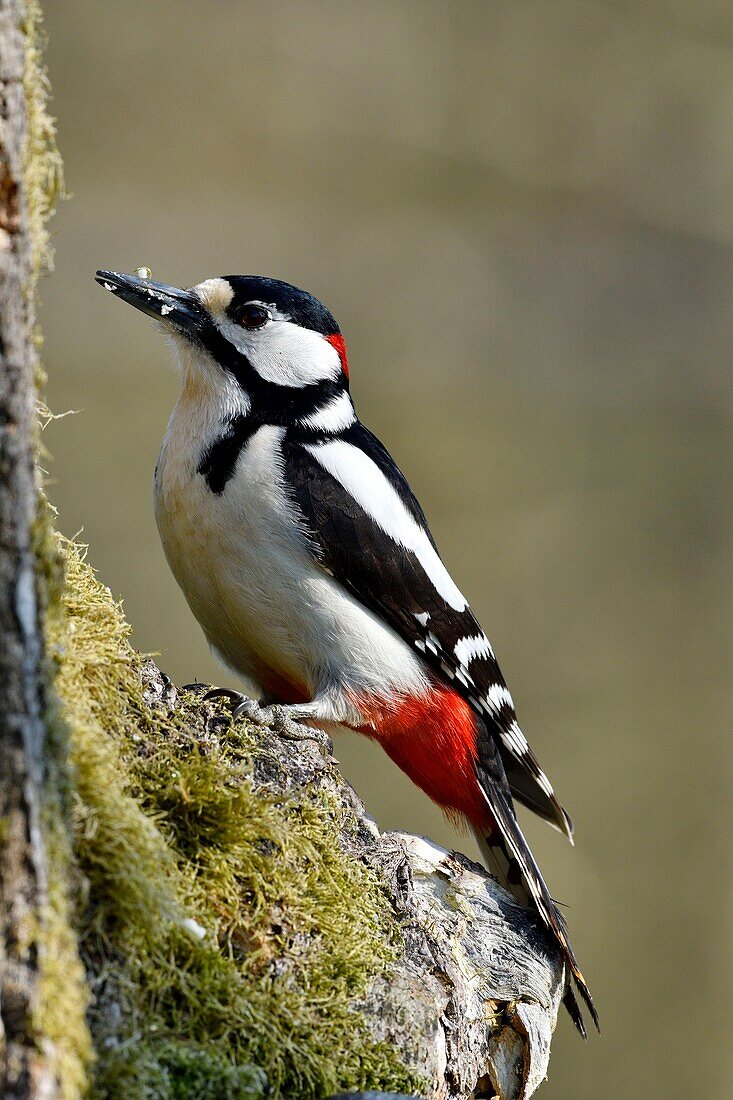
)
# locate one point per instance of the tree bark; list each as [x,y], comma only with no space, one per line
[22,859]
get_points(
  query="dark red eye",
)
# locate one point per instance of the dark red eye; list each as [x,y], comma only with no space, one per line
[254,316]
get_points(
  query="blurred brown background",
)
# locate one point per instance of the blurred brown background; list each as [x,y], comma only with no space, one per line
[522,215]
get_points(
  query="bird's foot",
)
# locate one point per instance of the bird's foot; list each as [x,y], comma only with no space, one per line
[291,730]
[276,717]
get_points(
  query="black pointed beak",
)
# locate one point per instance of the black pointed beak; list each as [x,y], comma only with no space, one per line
[178,308]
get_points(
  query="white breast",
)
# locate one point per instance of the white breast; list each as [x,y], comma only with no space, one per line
[247,572]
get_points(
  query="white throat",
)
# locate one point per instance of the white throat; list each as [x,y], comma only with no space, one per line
[204,383]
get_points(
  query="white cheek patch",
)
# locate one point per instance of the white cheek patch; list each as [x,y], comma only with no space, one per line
[215,295]
[284,353]
[366,483]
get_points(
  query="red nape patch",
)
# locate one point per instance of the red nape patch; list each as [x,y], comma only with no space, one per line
[433,740]
[337,341]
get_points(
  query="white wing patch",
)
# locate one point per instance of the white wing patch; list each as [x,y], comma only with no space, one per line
[476,645]
[362,478]
[497,695]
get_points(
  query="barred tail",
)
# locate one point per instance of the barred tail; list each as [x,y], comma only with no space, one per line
[509,858]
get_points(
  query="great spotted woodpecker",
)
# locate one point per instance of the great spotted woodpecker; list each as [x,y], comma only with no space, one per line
[309,564]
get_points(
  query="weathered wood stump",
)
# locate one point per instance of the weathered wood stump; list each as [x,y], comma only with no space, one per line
[472,1000]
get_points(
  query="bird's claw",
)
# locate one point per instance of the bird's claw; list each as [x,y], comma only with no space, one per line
[223,693]
[242,705]
[249,708]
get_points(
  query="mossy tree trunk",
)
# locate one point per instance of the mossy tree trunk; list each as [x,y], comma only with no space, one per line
[22,857]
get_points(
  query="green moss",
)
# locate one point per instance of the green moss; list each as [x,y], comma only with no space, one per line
[223,927]
[63,996]
[43,165]
[179,1071]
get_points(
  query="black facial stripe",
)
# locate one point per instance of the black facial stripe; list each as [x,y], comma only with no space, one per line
[271,403]
[219,459]
[300,306]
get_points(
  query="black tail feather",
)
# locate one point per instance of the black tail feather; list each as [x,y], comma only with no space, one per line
[573,1010]
[508,851]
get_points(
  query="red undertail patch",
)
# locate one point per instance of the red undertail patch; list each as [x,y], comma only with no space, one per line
[432,738]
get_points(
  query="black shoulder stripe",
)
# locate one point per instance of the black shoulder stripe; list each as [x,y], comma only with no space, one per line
[385,576]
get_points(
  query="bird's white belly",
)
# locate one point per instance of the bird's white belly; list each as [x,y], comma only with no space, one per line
[250,579]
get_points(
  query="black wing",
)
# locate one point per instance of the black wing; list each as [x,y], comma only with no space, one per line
[389,579]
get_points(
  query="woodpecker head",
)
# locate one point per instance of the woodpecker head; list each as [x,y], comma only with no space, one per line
[244,338]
